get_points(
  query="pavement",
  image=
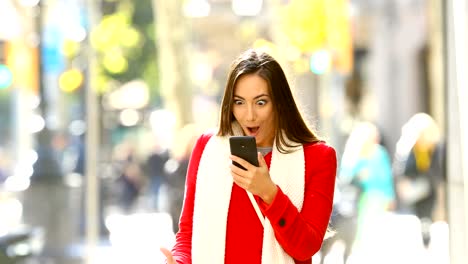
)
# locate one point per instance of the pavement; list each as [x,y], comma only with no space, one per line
[136,238]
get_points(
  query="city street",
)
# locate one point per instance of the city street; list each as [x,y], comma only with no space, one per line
[103,104]
[136,238]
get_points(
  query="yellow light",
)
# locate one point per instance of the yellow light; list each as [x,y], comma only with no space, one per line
[70,48]
[70,80]
[114,62]
[339,40]
[22,59]
[130,37]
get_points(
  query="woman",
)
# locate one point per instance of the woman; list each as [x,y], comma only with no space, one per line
[367,165]
[275,213]
[419,166]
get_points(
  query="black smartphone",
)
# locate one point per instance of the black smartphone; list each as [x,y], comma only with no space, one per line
[244,147]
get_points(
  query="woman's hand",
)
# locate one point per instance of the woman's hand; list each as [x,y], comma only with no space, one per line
[169,258]
[256,180]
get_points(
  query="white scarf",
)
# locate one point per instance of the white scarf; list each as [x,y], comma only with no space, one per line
[213,194]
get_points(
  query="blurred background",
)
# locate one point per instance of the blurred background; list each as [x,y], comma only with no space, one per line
[101,101]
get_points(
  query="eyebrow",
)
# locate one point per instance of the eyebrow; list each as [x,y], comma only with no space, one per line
[256,97]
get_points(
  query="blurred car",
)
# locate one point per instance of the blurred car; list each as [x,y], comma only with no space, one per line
[17,240]
[20,244]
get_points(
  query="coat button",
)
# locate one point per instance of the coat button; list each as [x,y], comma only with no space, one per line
[282,222]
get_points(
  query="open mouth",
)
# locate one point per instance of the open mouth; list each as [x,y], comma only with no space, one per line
[252,130]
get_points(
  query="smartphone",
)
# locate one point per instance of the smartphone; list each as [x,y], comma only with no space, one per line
[244,147]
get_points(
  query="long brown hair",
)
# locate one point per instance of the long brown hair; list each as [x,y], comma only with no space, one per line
[291,130]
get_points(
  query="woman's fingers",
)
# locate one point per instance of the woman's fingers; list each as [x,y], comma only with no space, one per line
[240,161]
[168,255]
[261,160]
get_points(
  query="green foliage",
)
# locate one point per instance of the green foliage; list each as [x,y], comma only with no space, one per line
[125,44]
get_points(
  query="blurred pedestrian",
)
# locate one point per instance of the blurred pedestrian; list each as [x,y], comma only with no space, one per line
[130,179]
[155,170]
[366,164]
[176,170]
[420,159]
[80,153]
[343,221]
[277,212]
[3,166]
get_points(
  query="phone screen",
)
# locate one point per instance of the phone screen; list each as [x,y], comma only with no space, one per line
[244,147]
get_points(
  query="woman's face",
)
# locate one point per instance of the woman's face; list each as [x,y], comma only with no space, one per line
[253,109]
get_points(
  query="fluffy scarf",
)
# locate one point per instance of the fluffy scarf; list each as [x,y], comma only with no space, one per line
[213,194]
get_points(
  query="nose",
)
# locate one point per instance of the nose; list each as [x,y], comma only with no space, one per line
[251,113]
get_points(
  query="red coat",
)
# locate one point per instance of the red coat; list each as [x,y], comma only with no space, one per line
[299,233]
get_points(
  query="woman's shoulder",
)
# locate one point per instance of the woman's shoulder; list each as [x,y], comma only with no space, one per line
[201,142]
[205,136]
[319,156]
[319,148]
